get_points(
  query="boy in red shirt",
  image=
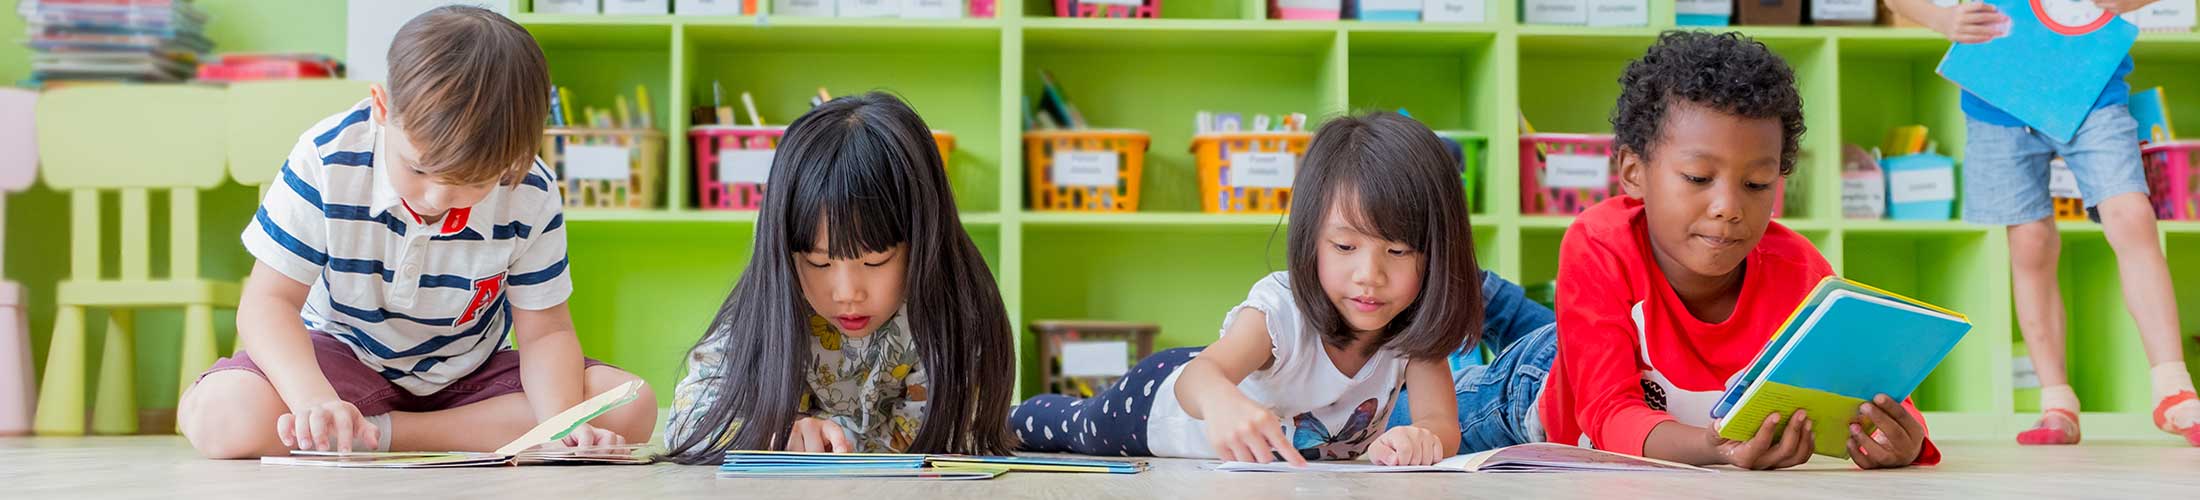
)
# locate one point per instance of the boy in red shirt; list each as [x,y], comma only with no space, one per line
[1667,293]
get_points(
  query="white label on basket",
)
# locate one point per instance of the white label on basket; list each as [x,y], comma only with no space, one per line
[870,8]
[1557,11]
[1096,358]
[1704,7]
[2061,182]
[1132,3]
[1086,168]
[1577,172]
[1619,13]
[1452,11]
[2169,15]
[1912,186]
[1863,195]
[1262,170]
[1391,5]
[753,166]
[1844,10]
[810,8]
[598,163]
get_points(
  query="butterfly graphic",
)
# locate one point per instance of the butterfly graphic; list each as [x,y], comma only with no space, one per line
[1316,443]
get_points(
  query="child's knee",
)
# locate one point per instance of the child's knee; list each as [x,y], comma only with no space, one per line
[230,414]
[636,420]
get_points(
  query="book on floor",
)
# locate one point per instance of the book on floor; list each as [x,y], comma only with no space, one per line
[1531,457]
[1845,344]
[519,451]
[783,464]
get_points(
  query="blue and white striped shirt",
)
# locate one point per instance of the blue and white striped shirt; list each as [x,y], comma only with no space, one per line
[423,303]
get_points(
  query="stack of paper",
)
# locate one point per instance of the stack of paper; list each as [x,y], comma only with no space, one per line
[114,40]
[797,465]
[1532,457]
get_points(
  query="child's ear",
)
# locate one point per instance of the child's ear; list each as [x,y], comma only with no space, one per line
[1633,171]
[381,104]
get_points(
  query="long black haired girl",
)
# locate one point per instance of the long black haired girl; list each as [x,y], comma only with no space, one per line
[866,320]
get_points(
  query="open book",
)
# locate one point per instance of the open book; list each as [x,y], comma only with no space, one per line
[1531,457]
[517,452]
[1846,343]
[799,465]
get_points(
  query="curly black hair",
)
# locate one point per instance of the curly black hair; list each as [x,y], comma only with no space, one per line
[1725,71]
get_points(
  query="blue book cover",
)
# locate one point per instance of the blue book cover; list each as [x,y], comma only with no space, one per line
[2050,67]
[1847,343]
[2151,110]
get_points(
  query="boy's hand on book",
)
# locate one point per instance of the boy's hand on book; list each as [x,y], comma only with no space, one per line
[2121,7]
[587,436]
[328,426]
[1896,442]
[1770,450]
[1976,22]
[817,435]
[1244,431]
[1406,445]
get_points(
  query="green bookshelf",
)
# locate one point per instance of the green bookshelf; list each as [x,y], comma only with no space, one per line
[647,279]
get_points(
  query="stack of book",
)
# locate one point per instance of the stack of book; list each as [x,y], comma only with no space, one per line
[113,40]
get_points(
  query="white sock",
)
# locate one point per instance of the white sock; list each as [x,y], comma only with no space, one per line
[382,428]
[2058,396]
[2170,379]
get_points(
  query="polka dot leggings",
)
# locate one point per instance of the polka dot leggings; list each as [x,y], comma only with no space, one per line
[1112,423]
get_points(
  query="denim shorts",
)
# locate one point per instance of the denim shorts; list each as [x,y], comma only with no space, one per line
[1498,402]
[2005,169]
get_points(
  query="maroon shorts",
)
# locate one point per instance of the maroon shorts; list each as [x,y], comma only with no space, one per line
[362,386]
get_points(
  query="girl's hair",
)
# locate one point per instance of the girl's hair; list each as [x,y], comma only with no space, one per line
[866,166]
[1403,184]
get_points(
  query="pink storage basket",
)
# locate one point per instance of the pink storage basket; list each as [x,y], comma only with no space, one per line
[2172,182]
[1302,10]
[1147,9]
[705,143]
[1536,199]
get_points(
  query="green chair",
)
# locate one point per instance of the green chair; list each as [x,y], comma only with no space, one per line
[266,119]
[130,140]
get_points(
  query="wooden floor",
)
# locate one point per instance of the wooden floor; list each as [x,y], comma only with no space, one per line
[164,467]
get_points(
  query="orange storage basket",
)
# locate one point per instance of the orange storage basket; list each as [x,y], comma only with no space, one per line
[645,168]
[1219,192]
[1129,146]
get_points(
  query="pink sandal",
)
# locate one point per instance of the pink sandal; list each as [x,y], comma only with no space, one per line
[2161,417]
[2041,434]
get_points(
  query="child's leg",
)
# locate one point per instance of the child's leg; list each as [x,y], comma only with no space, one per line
[231,411]
[2105,159]
[1498,403]
[2034,250]
[1110,423]
[2005,174]
[231,414]
[485,422]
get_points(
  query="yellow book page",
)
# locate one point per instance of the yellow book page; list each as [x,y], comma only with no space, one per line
[1829,414]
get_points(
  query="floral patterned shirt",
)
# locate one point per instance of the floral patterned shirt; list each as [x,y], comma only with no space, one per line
[874,387]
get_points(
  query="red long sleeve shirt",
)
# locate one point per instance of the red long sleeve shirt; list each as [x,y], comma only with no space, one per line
[1595,389]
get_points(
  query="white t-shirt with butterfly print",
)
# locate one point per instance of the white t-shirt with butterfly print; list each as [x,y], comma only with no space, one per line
[1328,415]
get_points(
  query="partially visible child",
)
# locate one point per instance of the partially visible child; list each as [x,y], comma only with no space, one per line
[1667,293]
[866,320]
[2005,172]
[406,243]
[1382,286]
